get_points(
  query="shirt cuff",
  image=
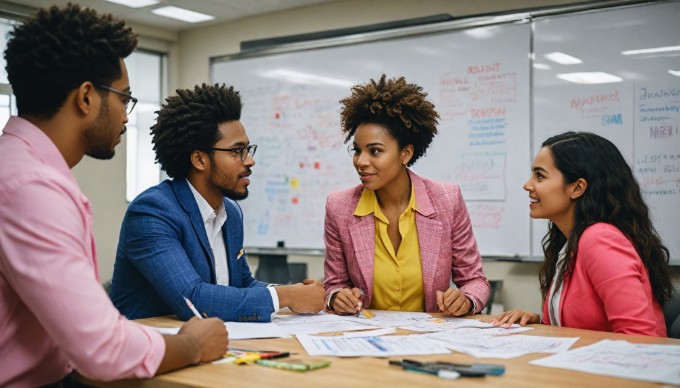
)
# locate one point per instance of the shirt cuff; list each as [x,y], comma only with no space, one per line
[330,298]
[474,306]
[275,298]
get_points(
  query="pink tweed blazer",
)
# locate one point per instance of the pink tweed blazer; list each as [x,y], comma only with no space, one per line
[448,249]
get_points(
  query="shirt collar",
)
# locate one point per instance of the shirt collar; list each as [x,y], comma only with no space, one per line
[207,212]
[368,203]
[47,151]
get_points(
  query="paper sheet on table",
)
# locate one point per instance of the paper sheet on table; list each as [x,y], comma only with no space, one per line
[403,345]
[370,333]
[240,330]
[449,323]
[385,318]
[250,330]
[164,330]
[480,343]
[320,323]
[656,363]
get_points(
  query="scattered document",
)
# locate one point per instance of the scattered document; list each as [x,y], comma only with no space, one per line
[402,345]
[477,343]
[385,318]
[448,324]
[320,323]
[164,330]
[370,333]
[250,330]
[656,363]
[240,330]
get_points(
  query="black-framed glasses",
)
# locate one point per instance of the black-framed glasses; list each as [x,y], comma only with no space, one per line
[239,152]
[128,97]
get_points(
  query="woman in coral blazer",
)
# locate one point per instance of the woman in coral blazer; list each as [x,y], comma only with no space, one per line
[605,266]
[396,241]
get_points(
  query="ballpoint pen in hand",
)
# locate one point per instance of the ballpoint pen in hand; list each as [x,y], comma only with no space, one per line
[193,309]
[361,310]
[361,292]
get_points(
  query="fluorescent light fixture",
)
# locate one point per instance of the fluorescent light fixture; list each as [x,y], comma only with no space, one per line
[596,77]
[674,72]
[541,66]
[307,79]
[182,14]
[479,33]
[654,50]
[562,58]
[135,3]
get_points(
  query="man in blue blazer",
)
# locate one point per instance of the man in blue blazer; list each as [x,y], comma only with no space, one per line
[184,237]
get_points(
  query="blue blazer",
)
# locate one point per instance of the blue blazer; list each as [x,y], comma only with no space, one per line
[163,254]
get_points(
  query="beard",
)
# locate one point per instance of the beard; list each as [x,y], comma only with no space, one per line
[100,142]
[234,195]
[217,179]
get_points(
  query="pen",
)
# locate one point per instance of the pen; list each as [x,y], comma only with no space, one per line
[361,292]
[441,373]
[472,370]
[193,309]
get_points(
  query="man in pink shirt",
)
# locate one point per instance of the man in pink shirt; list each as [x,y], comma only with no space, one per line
[73,97]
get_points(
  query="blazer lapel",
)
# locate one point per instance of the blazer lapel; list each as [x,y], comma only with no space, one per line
[362,234]
[188,203]
[232,231]
[429,234]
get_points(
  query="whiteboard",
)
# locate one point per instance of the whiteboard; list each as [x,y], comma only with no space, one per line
[640,113]
[478,80]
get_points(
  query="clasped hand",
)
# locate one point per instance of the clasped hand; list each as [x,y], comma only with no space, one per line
[453,302]
[347,301]
[308,297]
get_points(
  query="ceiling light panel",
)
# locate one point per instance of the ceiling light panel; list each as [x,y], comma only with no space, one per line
[182,14]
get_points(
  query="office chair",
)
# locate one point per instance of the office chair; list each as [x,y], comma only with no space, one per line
[671,311]
[496,287]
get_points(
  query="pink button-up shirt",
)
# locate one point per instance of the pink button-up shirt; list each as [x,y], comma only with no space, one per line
[54,314]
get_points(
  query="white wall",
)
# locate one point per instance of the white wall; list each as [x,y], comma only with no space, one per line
[189,53]
[103,181]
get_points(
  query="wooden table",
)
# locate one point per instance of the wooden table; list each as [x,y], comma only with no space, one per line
[375,372]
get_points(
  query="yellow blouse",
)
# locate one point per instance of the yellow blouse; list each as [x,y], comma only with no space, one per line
[397,278]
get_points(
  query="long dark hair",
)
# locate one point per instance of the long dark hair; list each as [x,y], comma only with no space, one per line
[613,196]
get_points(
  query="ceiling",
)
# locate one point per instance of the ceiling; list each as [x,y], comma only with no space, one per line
[223,10]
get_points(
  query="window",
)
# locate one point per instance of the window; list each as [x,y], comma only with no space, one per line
[7,103]
[147,72]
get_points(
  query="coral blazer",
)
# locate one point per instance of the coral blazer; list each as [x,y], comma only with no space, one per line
[609,288]
[448,249]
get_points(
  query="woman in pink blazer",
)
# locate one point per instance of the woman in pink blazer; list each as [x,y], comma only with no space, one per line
[396,241]
[605,268]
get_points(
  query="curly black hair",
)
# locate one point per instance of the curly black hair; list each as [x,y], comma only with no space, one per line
[613,196]
[400,106]
[58,49]
[188,122]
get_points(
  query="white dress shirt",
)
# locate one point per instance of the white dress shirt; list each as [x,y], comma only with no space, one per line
[213,221]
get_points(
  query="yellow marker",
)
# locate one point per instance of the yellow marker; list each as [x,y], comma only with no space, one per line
[247,359]
[367,313]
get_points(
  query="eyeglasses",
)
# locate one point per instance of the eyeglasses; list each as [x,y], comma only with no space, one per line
[128,97]
[239,152]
